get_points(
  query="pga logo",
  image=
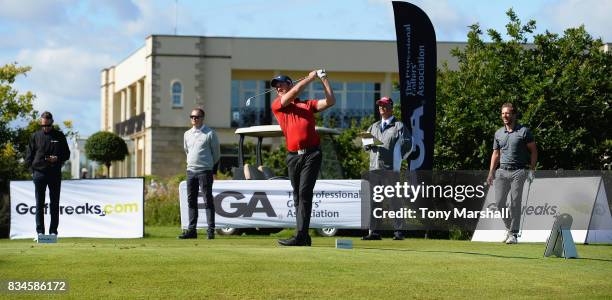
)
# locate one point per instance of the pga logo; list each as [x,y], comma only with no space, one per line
[241,207]
[418,138]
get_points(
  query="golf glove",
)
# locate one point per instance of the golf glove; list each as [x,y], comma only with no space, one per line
[321,73]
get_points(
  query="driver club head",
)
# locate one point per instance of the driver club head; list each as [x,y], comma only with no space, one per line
[248,100]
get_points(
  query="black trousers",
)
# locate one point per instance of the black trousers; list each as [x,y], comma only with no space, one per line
[303,171]
[196,182]
[384,178]
[53,180]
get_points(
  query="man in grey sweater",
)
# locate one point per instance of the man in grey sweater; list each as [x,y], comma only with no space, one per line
[202,148]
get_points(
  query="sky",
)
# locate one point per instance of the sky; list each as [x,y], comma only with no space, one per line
[68,42]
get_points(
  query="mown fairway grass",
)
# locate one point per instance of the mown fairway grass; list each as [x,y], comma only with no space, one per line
[160,266]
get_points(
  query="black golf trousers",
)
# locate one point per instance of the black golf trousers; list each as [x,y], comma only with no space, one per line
[42,180]
[303,171]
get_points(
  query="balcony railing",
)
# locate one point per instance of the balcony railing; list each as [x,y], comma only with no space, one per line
[131,126]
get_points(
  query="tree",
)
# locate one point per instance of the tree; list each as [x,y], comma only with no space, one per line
[18,121]
[14,108]
[561,84]
[353,158]
[106,147]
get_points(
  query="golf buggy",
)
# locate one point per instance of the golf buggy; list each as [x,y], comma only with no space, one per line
[330,168]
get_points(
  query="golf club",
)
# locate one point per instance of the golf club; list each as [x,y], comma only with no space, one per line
[526,203]
[248,100]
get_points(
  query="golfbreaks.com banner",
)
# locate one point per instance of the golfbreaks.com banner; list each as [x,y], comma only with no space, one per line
[98,208]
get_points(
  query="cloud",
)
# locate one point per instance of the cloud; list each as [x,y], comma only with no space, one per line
[449,22]
[123,9]
[83,112]
[152,19]
[316,19]
[594,14]
[68,51]
[33,11]
[66,81]
[62,70]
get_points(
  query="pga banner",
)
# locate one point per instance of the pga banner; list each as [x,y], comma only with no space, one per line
[269,204]
[416,54]
[97,208]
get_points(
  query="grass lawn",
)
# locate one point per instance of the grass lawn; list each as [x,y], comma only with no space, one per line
[160,266]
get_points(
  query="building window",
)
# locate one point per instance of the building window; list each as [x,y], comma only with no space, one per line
[395,93]
[258,112]
[177,94]
[354,100]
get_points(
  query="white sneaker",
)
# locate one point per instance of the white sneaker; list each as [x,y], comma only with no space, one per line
[36,237]
[507,236]
[512,239]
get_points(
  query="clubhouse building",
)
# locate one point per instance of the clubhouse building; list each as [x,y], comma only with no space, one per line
[147,97]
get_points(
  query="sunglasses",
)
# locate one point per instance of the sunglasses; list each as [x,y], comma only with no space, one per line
[196,117]
[46,126]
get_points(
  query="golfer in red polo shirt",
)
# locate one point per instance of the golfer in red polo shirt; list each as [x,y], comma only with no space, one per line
[296,118]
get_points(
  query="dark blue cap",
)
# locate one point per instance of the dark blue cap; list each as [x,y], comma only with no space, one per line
[281,78]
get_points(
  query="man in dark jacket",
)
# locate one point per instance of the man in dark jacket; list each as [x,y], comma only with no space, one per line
[47,152]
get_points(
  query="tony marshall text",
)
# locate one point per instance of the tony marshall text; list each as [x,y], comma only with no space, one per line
[425,213]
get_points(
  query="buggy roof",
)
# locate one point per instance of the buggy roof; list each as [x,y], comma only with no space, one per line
[275,131]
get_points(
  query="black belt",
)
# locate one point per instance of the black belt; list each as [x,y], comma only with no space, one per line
[305,151]
[511,167]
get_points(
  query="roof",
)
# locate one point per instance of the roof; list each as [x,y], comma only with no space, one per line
[275,131]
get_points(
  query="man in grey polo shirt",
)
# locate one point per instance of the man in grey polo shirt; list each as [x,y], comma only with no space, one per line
[514,149]
[202,148]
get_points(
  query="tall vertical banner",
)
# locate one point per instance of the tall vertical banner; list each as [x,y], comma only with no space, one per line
[416,53]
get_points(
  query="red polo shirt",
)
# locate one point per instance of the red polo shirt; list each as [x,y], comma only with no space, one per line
[298,123]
